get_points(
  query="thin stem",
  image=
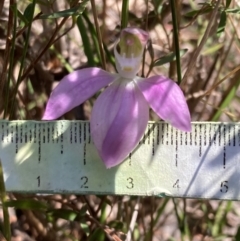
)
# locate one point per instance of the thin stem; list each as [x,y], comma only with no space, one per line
[3,195]
[124,21]
[176,40]
[176,212]
[23,58]
[202,43]
[133,221]
[144,52]
[12,51]
[48,45]
[7,49]
[99,35]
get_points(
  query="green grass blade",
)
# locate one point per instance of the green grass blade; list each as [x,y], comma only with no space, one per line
[86,41]
[66,13]
[3,196]
[227,99]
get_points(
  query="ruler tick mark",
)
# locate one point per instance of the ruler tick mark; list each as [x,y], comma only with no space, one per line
[16,138]
[84,132]
[61,137]
[153,139]
[224,146]
[39,144]
[130,159]
[200,140]
[195,136]
[80,132]
[176,149]
[75,132]
[84,154]
[205,135]
[148,134]
[234,137]
[48,133]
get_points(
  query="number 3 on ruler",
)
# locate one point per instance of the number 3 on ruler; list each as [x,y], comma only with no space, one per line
[130,183]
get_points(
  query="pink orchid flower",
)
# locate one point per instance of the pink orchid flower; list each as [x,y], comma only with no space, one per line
[120,114]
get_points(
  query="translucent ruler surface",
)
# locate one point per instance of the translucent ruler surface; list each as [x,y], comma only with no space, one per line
[59,157]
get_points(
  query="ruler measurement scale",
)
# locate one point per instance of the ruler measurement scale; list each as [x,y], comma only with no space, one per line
[59,157]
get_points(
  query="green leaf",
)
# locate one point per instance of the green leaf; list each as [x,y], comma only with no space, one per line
[66,13]
[200,12]
[168,58]
[228,2]
[64,214]
[27,204]
[117,225]
[237,236]
[22,17]
[86,41]
[67,214]
[85,228]
[222,23]
[226,100]
[28,13]
[97,234]
[212,49]
[233,10]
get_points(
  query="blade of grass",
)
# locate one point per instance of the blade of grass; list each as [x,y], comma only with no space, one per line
[202,43]
[223,79]
[176,41]
[220,218]
[75,11]
[230,94]
[86,41]
[31,7]
[6,221]
[133,221]
[99,35]
[156,219]
[7,48]
[12,51]
[52,40]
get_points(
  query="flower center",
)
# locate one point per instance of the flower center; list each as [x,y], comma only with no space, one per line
[131,45]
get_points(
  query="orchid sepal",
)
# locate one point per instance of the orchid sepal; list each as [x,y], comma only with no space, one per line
[166,98]
[74,89]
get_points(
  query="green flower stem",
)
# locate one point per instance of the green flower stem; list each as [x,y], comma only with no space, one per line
[124,21]
[99,35]
[176,41]
[3,195]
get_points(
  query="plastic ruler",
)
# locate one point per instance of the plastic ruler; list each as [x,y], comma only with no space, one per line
[59,157]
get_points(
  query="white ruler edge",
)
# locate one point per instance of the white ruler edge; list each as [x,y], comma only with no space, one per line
[59,157]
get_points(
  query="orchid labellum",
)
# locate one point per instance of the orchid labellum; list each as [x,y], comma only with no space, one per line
[120,114]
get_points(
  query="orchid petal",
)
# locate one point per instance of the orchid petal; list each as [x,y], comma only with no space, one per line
[119,119]
[74,89]
[166,98]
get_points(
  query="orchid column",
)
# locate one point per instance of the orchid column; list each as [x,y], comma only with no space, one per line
[120,114]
